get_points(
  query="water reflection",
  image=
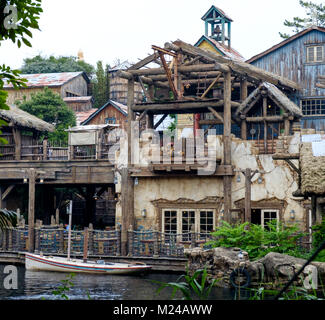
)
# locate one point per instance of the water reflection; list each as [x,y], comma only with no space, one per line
[39,285]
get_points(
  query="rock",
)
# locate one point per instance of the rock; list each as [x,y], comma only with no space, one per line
[274,268]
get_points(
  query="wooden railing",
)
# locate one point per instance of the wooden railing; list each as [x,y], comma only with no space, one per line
[158,244]
[54,240]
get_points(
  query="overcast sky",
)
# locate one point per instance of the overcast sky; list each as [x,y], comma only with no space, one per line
[126,29]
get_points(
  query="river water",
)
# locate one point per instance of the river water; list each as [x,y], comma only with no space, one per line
[40,285]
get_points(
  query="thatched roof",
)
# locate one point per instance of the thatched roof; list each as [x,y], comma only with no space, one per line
[274,94]
[312,171]
[25,120]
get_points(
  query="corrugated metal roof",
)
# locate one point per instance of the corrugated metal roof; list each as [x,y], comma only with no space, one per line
[47,79]
[78,99]
[84,115]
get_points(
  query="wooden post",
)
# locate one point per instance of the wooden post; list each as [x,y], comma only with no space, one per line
[286,126]
[130,241]
[57,216]
[227,144]
[243,96]
[61,239]
[45,149]
[17,138]
[91,239]
[156,242]
[248,184]
[127,181]
[118,241]
[69,231]
[265,123]
[313,209]
[31,210]
[85,245]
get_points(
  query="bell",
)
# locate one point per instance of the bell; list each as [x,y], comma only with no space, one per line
[217,30]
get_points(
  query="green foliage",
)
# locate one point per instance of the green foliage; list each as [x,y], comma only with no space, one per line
[258,241]
[64,288]
[101,85]
[315,16]
[318,238]
[40,64]
[172,125]
[50,107]
[7,219]
[28,12]
[195,286]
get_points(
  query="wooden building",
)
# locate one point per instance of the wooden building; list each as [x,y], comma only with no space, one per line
[111,112]
[246,184]
[73,87]
[301,58]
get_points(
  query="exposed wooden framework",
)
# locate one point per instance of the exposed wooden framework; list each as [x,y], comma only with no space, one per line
[188,67]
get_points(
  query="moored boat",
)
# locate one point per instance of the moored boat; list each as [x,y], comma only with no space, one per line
[50,263]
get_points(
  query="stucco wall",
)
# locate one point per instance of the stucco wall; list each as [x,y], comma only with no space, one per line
[279,181]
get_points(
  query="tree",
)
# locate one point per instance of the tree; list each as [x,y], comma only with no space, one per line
[40,64]
[16,19]
[315,16]
[50,107]
[101,85]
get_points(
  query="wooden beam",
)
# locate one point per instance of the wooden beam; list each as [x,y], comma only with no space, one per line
[265,119]
[293,166]
[242,68]
[169,75]
[144,62]
[216,114]
[227,145]
[31,210]
[17,138]
[148,98]
[174,107]
[211,86]
[286,156]
[6,193]
[248,187]
[157,71]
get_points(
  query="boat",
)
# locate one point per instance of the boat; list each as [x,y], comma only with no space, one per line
[36,262]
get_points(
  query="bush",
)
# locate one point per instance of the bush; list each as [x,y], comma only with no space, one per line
[258,241]
[318,238]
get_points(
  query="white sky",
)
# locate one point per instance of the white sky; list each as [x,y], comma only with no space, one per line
[125,29]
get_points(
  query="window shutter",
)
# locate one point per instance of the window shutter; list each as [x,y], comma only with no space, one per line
[319,54]
[310,54]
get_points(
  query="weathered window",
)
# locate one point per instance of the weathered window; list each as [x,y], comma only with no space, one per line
[110,120]
[313,107]
[315,54]
[181,221]
[263,217]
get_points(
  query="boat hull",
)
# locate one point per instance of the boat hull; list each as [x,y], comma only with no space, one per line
[35,262]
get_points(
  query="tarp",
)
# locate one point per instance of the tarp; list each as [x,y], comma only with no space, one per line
[82,138]
[319,148]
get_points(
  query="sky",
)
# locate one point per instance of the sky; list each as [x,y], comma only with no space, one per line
[126,29]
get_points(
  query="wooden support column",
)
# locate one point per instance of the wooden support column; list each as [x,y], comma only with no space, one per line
[248,187]
[265,123]
[17,138]
[127,193]
[286,126]
[227,145]
[243,96]
[314,210]
[31,210]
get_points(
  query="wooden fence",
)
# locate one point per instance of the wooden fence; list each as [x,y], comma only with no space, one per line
[54,240]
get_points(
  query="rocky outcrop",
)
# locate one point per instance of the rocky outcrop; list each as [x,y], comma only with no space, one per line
[272,270]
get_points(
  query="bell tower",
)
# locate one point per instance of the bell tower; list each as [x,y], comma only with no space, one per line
[218,26]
